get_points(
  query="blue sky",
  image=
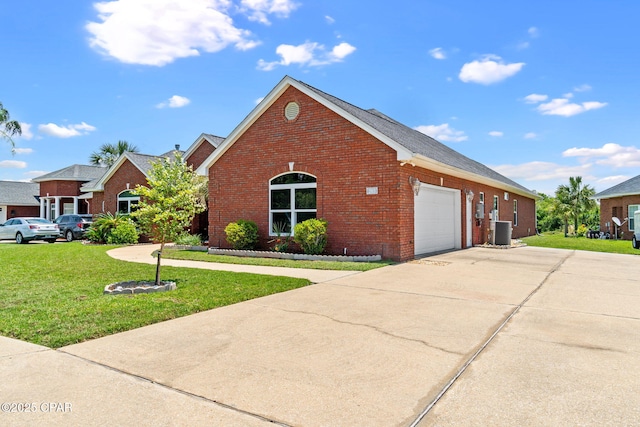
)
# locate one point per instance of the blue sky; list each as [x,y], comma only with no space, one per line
[539,91]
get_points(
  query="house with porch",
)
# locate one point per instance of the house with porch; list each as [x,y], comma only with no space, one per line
[384,188]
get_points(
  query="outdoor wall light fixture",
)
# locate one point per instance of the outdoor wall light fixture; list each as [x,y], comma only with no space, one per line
[469,194]
[415,184]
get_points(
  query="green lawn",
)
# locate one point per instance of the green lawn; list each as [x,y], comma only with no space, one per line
[318,265]
[557,240]
[52,294]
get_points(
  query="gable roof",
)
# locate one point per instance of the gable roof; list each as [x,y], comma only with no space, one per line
[629,187]
[73,173]
[411,146]
[19,193]
[214,140]
[144,162]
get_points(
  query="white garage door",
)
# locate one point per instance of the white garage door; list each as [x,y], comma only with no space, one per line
[436,219]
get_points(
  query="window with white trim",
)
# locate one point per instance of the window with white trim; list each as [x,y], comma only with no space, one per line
[631,210]
[515,213]
[292,199]
[127,202]
[495,207]
[481,197]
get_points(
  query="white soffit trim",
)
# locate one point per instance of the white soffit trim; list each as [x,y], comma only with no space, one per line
[112,170]
[276,92]
[427,163]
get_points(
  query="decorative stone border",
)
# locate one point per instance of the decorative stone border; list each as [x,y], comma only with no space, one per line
[286,255]
[137,287]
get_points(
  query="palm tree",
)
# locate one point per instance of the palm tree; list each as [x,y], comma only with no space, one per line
[8,128]
[109,153]
[578,196]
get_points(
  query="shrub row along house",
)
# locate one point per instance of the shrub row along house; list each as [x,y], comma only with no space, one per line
[384,188]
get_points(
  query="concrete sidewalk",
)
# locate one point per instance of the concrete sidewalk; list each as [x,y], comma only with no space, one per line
[518,337]
[142,254]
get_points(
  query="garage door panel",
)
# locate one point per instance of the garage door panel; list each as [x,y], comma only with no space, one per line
[436,219]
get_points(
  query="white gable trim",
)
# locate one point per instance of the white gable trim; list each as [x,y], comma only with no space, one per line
[285,83]
[112,170]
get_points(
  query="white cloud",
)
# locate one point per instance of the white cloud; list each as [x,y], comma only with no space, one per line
[533,32]
[12,164]
[259,9]
[609,154]
[310,53]
[442,132]
[488,70]
[329,20]
[523,45]
[54,130]
[35,174]
[582,88]
[496,133]
[26,131]
[259,100]
[176,101]
[542,171]
[438,53]
[530,135]
[23,150]
[562,107]
[534,98]
[157,32]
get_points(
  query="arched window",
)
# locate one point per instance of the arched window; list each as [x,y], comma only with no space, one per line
[127,202]
[292,199]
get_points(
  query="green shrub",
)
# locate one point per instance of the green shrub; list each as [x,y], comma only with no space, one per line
[242,234]
[582,230]
[124,233]
[102,227]
[311,235]
[187,239]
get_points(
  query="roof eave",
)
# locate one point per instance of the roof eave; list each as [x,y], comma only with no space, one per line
[434,165]
[615,195]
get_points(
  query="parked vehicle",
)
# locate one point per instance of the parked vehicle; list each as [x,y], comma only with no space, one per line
[73,226]
[635,240]
[23,230]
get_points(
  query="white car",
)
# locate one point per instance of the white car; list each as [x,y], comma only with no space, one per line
[23,230]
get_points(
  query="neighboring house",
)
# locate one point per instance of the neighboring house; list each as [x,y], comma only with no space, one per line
[60,190]
[112,191]
[619,201]
[302,153]
[18,199]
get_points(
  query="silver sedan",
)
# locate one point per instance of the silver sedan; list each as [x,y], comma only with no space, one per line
[23,230]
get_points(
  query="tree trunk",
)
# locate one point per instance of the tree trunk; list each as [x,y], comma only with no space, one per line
[158,264]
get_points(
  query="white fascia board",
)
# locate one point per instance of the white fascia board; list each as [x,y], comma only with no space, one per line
[112,170]
[197,143]
[613,196]
[427,163]
[402,152]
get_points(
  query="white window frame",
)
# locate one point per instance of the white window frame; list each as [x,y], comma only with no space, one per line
[292,210]
[496,207]
[630,212]
[481,197]
[128,200]
[515,212]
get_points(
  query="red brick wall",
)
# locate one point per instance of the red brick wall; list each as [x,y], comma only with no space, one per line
[200,155]
[60,188]
[346,160]
[117,183]
[17,211]
[621,205]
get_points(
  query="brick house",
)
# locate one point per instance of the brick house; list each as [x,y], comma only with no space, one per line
[18,199]
[112,191]
[303,153]
[60,191]
[619,201]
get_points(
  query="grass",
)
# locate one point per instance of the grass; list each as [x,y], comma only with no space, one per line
[271,262]
[52,294]
[557,240]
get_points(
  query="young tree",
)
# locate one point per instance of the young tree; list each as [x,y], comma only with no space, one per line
[8,127]
[109,153]
[169,203]
[578,196]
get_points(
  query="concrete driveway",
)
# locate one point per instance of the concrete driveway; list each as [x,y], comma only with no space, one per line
[525,336]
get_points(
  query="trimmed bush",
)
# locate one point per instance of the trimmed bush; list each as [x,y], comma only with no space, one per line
[105,224]
[124,233]
[311,235]
[242,234]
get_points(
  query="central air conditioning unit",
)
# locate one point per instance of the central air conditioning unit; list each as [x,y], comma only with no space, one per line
[501,232]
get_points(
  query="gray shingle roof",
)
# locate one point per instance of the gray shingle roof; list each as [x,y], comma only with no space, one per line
[630,186]
[417,142]
[73,173]
[144,161]
[19,193]
[216,140]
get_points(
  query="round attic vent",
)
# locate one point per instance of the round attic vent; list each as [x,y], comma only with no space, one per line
[292,110]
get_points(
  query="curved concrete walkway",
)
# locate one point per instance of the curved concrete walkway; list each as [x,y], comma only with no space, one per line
[143,254]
